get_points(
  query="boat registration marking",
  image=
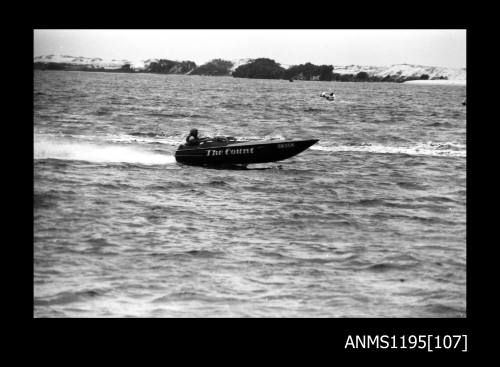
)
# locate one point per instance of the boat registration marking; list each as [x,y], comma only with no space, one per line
[285,145]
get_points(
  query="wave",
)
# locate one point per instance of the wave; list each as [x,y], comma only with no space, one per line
[44,200]
[101,153]
[66,297]
[440,124]
[444,310]
[421,149]
[386,266]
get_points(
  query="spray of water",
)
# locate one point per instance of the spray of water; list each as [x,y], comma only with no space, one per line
[71,150]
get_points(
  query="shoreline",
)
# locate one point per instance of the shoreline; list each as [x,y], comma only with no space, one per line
[438,82]
[260,68]
[118,71]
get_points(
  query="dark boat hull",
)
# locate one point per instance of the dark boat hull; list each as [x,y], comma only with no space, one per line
[241,152]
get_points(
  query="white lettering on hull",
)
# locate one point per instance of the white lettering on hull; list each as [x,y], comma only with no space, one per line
[229,151]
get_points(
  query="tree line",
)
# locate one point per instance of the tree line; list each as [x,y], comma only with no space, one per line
[264,68]
[261,68]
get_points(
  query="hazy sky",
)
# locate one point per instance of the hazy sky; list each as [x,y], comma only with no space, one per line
[336,47]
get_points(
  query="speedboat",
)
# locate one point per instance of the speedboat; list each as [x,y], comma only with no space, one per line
[229,151]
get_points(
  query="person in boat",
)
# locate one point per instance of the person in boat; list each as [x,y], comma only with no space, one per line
[192,138]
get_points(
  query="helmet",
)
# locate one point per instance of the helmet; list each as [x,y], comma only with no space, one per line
[193,132]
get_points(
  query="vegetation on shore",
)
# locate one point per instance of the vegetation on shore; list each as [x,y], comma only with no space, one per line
[269,69]
[261,68]
[264,68]
[125,68]
[310,71]
[164,66]
[365,77]
[217,67]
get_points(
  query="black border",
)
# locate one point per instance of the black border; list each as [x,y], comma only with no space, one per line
[321,335]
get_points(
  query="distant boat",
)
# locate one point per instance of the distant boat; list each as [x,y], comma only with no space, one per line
[463,103]
[328,96]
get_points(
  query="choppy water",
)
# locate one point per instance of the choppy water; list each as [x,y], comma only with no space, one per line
[369,222]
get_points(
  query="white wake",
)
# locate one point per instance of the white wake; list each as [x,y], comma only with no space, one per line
[422,149]
[89,152]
